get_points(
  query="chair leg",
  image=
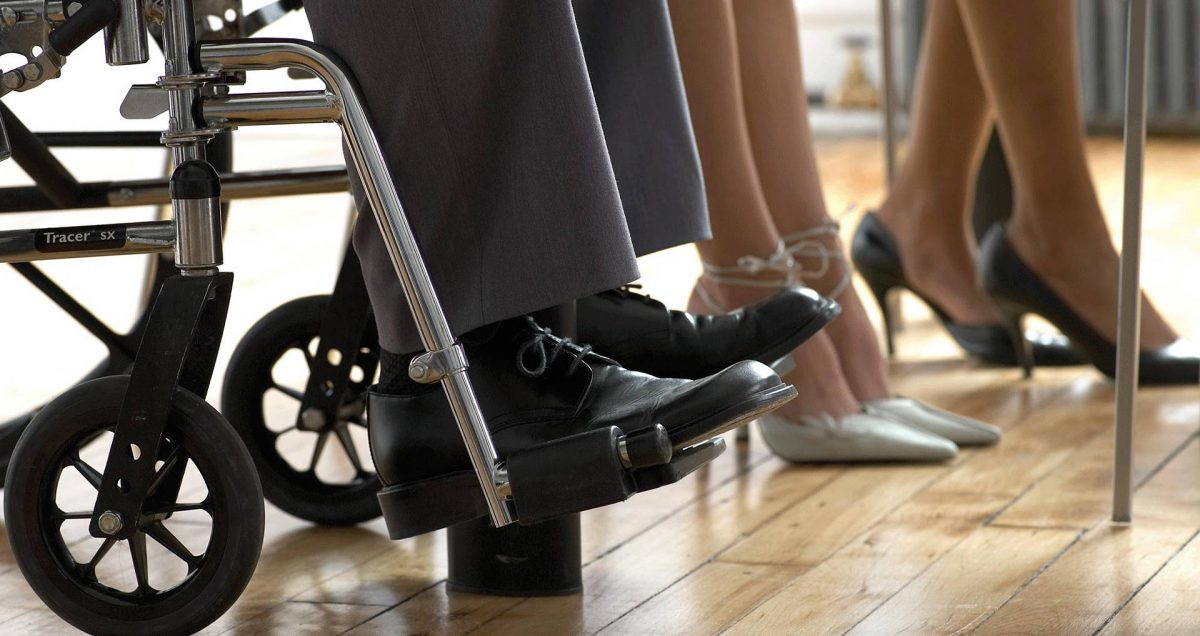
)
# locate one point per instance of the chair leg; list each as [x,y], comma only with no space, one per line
[1129,320]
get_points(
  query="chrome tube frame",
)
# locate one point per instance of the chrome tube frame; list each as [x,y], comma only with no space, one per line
[125,40]
[264,109]
[23,246]
[241,185]
[263,54]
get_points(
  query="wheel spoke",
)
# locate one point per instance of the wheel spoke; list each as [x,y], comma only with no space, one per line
[343,435]
[161,475]
[322,437]
[88,570]
[178,507]
[92,475]
[59,515]
[351,410]
[168,540]
[141,570]
[288,391]
[278,434]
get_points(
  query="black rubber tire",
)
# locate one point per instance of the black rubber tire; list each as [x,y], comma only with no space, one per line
[235,499]
[299,494]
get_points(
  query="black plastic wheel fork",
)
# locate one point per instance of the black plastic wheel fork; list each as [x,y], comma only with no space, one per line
[178,349]
[346,320]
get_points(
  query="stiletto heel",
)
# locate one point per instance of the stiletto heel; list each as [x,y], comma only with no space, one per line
[1018,290]
[877,259]
[1014,321]
[885,309]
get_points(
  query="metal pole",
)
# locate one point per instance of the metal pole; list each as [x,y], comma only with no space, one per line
[888,92]
[1130,310]
[888,105]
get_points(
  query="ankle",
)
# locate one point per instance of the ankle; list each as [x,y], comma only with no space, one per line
[1055,250]
[711,295]
[934,211]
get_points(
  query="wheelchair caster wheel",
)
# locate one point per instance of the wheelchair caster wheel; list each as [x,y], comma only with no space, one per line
[319,471]
[192,553]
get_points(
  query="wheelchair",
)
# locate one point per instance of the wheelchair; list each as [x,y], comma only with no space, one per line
[174,530]
[290,483]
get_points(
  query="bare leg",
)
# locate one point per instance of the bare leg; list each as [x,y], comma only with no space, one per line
[1026,52]
[707,46]
[777,121]
[927,207]
[706,39]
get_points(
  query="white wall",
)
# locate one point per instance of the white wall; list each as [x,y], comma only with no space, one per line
[823,25]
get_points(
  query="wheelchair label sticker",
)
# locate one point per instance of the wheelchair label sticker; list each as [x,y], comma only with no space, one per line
[72,239]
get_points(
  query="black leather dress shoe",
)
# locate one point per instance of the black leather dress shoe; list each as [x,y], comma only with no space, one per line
[534,387]
[644,335]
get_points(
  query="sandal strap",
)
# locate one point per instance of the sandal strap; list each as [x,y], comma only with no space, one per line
[807,244]
[780,261]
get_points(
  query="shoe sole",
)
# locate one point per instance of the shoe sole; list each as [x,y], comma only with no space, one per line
[732,416]
[424,506]
[432,504]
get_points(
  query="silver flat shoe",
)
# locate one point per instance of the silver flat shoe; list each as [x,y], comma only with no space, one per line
[861,437]
[959,429]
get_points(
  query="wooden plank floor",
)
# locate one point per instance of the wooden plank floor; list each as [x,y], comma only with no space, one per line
[1011,539]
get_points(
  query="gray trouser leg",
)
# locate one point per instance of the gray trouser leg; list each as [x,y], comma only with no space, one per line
[635,75]
[490,127]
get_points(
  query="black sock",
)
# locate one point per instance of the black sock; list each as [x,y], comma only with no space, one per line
[393,375]
[393,371]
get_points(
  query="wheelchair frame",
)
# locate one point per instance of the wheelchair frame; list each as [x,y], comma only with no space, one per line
[57,189]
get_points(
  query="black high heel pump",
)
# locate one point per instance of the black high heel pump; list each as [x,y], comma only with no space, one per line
[1018,291]
[877,259]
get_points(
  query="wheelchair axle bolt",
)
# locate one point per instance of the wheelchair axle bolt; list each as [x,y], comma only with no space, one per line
[110,522]
[14,80]
[32,72]
[312,419]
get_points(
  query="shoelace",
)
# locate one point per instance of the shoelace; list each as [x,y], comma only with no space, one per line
[537,344]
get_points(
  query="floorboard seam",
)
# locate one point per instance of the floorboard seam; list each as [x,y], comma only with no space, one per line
[1170,456]
[950,470]
[732,478]
[1025,491]
[725,549]
[389,608]
[1045,566]
[1137,487]
[1139,588]
[690,502]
